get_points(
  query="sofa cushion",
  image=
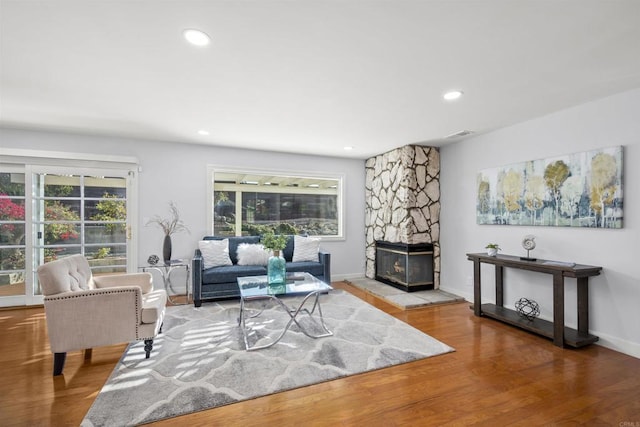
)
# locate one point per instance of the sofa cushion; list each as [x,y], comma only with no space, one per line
[234,242]
[305,248]
[214,252]
[153,304]
[314,268]
[229,273]
[287,252]
[252,254]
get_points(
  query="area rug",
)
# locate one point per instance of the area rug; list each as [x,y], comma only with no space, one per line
[199,361]
[402,299]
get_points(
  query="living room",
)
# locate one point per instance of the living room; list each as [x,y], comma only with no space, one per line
[175,168]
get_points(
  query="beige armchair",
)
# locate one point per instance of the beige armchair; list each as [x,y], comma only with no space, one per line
[84,311]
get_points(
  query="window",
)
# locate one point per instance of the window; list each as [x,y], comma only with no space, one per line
[252,202]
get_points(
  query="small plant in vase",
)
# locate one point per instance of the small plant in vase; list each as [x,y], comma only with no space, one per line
[492,249]
[276,267]
[169,226]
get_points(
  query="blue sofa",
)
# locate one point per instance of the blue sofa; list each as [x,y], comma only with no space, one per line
[220,282]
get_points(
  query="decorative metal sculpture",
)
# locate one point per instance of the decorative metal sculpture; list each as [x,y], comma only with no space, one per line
[527,308]
[529,243]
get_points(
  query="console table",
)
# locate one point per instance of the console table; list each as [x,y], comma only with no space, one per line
[555,330]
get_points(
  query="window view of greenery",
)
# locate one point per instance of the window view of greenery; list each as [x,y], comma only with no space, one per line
[254,204]
[12,234]
[71,214]
[81,214]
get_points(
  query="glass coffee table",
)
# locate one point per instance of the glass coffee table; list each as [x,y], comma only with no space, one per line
[298,284]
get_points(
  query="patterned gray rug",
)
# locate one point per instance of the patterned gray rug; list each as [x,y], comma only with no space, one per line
[199,361]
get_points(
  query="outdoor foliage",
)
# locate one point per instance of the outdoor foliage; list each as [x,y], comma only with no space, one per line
[61,222]
[111,209]
[59,231]
[285,213]
[9,188]
[11,211]
[11,233]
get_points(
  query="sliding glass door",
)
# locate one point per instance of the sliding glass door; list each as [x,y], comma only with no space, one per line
[66,211]
[12,234]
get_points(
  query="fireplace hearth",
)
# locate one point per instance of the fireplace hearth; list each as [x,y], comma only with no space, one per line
[405,266]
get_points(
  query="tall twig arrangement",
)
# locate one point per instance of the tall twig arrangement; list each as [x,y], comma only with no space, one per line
[170,225]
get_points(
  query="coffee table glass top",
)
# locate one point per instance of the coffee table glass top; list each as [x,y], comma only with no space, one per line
[297,283]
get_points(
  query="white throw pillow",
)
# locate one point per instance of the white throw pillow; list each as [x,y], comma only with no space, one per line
[305,248]
[215,252]
[252,254]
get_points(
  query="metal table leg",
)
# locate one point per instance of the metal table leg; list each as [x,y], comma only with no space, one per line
[165,272]
[293,314]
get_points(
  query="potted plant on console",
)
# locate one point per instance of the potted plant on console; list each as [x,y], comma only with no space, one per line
[276,267]
[492,249]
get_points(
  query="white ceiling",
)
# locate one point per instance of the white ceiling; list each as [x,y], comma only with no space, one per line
[308,76]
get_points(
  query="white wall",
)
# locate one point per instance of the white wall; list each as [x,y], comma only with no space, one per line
[178,172]
[615,294]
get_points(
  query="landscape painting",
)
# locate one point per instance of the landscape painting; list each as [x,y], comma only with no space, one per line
[576,190]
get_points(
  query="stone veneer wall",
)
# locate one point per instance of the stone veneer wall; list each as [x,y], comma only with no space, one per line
[403,201]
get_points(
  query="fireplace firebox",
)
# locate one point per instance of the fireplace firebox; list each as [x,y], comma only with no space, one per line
[405,266]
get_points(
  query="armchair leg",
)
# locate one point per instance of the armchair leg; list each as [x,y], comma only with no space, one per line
[58,363]
[148,345]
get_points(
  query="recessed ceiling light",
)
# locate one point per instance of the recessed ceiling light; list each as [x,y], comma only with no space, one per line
[203,132]
[348,148]
[454,94]
[196,37]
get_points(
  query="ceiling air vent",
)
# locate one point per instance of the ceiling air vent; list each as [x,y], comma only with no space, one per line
[459,134]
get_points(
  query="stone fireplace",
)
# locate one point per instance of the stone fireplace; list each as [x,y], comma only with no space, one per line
[402,194]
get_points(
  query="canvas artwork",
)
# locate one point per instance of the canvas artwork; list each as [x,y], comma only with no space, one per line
[576,190]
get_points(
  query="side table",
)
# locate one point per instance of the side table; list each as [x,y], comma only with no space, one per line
[165,270]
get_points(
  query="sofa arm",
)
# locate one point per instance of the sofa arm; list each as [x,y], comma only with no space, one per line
[197,264]
[143,280]
[325,260]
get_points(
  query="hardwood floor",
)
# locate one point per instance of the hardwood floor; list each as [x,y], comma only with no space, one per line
[498,376]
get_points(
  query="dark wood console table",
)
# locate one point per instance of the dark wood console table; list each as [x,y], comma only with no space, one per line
[555,330]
